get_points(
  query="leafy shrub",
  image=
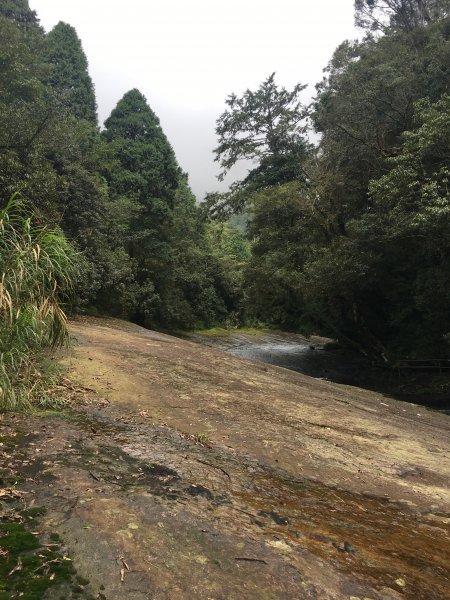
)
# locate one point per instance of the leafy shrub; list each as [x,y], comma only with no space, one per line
[37,267]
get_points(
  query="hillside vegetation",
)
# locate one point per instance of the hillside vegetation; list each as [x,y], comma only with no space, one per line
[348,238]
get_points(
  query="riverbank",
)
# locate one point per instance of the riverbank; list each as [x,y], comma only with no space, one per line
[184,472]
[322,359]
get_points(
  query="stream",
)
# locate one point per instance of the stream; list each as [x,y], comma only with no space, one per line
[311,359]
[318,358]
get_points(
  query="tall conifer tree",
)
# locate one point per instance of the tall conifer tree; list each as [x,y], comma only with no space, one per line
[70,74]
[177,277]
[147,174]
[19,12]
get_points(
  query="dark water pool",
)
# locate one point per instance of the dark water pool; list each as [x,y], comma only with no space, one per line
[337,365]
[313,360]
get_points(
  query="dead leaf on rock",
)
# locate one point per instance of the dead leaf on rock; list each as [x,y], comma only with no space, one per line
[11,493]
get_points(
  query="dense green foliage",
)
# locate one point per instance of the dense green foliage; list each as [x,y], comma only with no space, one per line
[364,281]
[348,239]
[119,195]
[29,119]
[19,12]
[358,247]
[146,174]
[177,282]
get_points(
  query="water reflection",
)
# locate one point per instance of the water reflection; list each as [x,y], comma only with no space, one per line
[311,359]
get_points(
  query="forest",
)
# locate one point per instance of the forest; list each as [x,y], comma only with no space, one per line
[346,237]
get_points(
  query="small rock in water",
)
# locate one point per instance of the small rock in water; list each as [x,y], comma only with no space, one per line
[400,582]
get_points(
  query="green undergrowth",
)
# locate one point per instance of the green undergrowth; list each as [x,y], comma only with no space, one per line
[37,268]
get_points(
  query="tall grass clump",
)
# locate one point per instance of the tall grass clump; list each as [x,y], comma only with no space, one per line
[37,268]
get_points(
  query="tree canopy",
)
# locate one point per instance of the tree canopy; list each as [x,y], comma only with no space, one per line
[20,13]
[347,238]
[354,245]
[120,195]
[401,14]
[265,124]
[177,280]
[69,75]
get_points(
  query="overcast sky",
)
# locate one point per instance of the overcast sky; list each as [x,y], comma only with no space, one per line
[187,56]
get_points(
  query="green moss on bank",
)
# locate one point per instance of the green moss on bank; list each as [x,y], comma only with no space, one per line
[27,568]
[32,563]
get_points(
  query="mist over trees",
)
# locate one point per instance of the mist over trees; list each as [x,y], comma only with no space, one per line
[348,238]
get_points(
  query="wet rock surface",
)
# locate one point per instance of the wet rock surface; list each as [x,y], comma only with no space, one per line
[187,473]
